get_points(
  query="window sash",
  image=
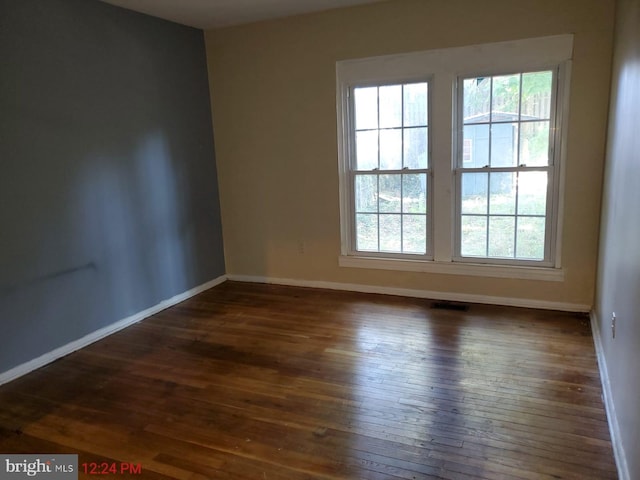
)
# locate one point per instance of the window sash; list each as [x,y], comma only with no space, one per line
[401,212]
[354,172]
[550,169]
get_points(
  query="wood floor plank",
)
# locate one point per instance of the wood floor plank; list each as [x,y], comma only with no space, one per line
[248,381]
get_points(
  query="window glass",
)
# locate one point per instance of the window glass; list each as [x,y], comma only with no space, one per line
[503,207]
[390,182]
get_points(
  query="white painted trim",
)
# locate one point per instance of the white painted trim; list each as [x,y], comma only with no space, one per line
[405,292]
[451,268]
[514,55]
[92,337]
[442,67]
[564,83]
[612,418]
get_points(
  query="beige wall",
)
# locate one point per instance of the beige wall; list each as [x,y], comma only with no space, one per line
[273,100]
[619,267]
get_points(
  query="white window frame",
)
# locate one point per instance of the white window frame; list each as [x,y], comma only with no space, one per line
[443,68]
[350,234]
[553,189]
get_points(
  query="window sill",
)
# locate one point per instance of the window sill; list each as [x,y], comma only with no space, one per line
[548,274]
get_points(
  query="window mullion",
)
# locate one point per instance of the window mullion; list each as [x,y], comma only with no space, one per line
[378,208]
[378,169]
[488,217]
[490,120]
[442,133]
[516,216]
[402,166]
[516,206]
[351,169]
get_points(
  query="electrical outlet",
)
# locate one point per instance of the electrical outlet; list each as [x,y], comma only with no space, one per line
[613,325]
[301,247]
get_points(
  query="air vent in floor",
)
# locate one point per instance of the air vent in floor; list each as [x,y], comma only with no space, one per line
[460,307]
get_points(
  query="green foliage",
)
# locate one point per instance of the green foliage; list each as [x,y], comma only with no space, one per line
[505,90]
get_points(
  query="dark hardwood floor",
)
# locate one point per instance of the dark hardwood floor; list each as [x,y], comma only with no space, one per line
[263,382]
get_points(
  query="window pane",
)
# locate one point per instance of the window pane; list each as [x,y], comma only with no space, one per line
[367,150]
[366,100]
[504,138]
[506,98]
[536,95]
[501,236]
[534,143]
[532,193]
[390,106]
[367,193]
[414,233]
[476,99]
[473,232]
[530,243]
[476,143]
[414,193]
[391,149]
[415,104]
[474,192]
[503,193]
[415,147]
[366,232]
[390,233]
[390,193]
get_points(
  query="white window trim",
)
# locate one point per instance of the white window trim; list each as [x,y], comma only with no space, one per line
[452,268]
[443,67]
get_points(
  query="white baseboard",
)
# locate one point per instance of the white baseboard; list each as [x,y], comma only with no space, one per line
[612,418]
[92,337]
[405,292]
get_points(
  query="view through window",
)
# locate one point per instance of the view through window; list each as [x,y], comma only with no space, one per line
[391,168]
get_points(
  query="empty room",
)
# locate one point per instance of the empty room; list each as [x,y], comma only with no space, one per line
[320,239]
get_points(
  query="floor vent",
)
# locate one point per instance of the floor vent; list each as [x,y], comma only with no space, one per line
[459,307]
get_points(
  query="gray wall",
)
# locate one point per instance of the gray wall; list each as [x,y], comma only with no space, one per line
[618,288]
[108,186]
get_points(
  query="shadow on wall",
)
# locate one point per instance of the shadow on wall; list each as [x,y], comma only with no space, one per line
[120,240]
[108,191]
[135,218]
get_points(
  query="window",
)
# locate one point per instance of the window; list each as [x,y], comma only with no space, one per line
[449,159]
[390,172]
[504,180]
